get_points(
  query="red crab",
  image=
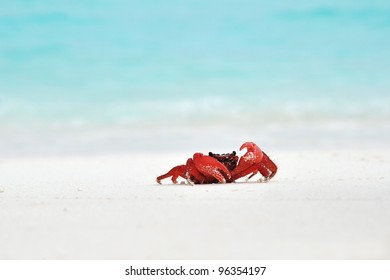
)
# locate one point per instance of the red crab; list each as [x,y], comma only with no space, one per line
[223,168]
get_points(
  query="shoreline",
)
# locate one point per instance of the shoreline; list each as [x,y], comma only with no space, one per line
[31,141]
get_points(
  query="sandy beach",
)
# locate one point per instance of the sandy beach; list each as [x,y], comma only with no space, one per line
[98,98]
[328,204]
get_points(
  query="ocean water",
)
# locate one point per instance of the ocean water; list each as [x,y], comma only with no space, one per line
[133,68]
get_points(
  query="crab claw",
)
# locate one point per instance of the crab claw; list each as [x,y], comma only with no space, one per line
[252,147]
[211,168]
[193,175]
[247,162]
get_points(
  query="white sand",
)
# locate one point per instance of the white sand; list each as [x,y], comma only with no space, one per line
[321,205]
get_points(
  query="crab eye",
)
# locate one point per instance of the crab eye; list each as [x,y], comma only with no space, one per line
[234,153]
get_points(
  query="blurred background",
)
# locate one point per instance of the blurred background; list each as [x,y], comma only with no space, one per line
[119,76]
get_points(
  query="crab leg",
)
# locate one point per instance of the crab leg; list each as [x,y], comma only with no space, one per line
[176,172]
[260,167]
[269,165]
[266,167]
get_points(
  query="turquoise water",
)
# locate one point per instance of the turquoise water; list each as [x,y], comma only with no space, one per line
[134,62]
